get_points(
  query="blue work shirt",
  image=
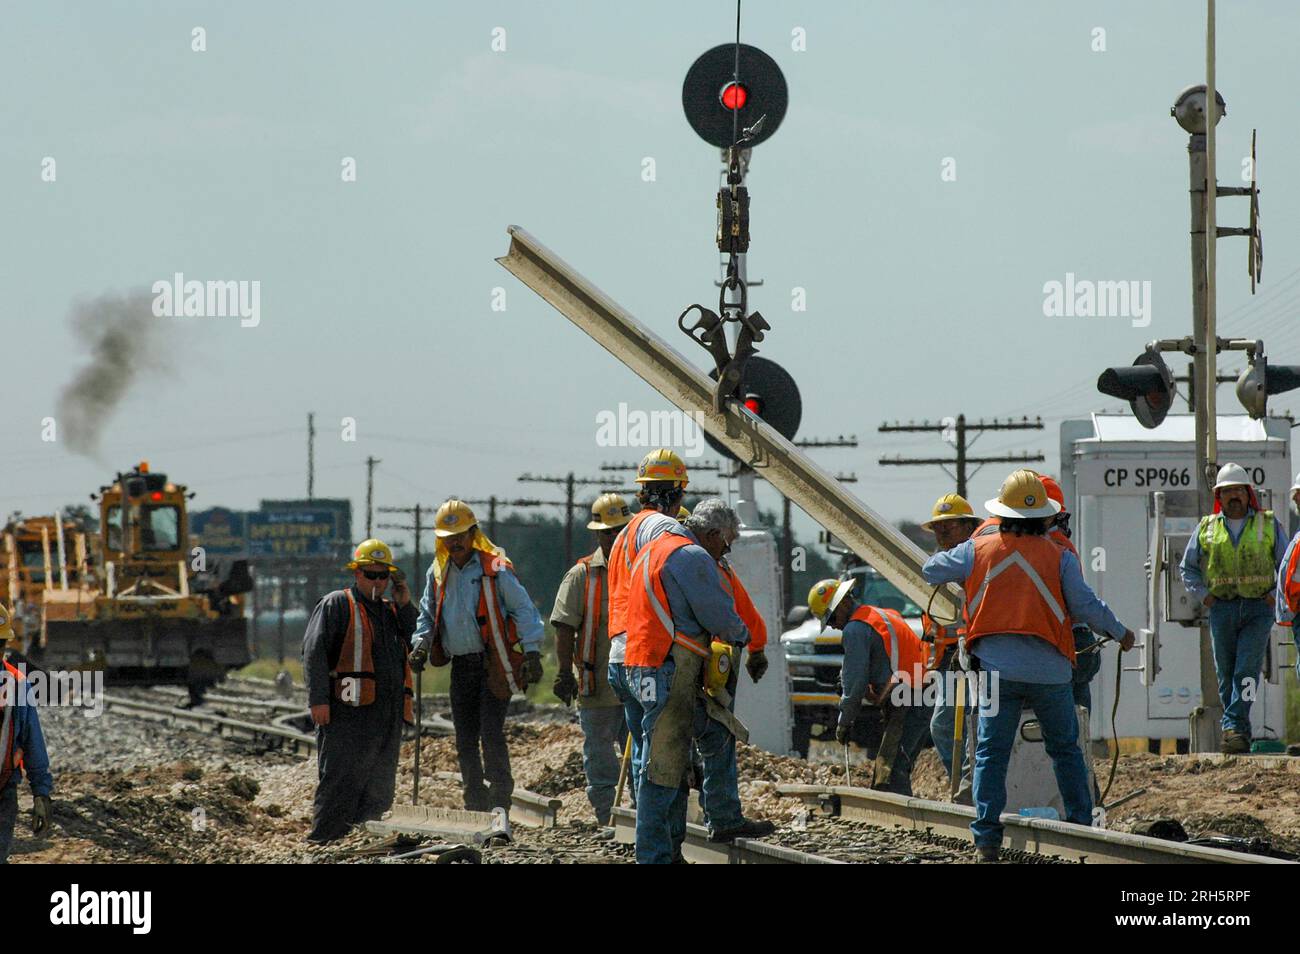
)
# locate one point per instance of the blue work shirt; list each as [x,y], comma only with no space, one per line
[461,635]
[1280,611]
[1017,656]
[28,737]
[699,605]
[1193,578]
[866,663]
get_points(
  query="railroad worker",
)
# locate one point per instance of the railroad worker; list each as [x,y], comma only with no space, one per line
[1020,590]
[22,749]
[1231,565]
[881,654]
[661,478]
[675,607]
[580,618]
[360,692]
[1087,660]
[716,527]
[476,615]
[1286,598]
[952,521]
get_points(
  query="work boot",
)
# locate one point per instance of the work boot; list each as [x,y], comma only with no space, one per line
[986,854]
[748,828]
[1234,743]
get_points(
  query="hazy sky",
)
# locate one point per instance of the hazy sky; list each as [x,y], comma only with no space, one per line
[924,297]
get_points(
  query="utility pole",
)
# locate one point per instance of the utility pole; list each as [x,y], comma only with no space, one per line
[569,482]
[370,490]
[416,527]
[955,431]
[311,456]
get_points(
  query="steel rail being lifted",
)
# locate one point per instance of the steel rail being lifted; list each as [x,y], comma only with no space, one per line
[752,440]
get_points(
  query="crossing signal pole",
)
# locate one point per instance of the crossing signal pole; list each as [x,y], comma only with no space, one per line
[960,429]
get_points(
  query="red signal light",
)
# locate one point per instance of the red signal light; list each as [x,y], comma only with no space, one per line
[156,495]
[733,96]
[754,405]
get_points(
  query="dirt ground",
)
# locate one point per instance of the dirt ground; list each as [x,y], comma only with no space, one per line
[129,791]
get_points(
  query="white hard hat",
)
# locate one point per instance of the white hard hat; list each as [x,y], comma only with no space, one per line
[1296,484]
[1233,475]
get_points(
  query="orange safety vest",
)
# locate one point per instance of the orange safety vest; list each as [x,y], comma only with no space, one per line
[359,654]
[591,607]
[745,607]
[505,653]
[650,630]
[1015,587]
[1290,585]
[943,635]
[621,556]
[11,757]
[906,654]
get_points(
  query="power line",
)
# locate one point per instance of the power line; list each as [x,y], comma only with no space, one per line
[958,430]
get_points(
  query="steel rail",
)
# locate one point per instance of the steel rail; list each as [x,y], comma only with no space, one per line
[697,848]
[1037,835]
[777,460]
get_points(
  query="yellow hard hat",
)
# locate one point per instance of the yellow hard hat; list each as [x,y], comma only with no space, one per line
[370,552]
[662,464]
[682,514]
[609,512]
[1022,495]
[453,517]
[6,625]
[826,595]
[950,507]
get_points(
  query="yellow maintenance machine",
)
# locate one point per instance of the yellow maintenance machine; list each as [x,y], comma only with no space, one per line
[160,612]
[38,553]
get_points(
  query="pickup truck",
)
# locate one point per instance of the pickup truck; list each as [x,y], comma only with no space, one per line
[815,660]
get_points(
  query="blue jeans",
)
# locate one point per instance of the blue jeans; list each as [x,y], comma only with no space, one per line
[660,809]
[1053,704]
[916,723]
[632,716]
[719,788]
[942,722]
[1239,633]
[602,731]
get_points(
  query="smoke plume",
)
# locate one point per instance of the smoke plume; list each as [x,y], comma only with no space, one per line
[121,335]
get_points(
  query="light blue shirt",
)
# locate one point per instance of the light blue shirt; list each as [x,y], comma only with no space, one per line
[1194,579]
[461,635]
[1014,655]
[1280,611]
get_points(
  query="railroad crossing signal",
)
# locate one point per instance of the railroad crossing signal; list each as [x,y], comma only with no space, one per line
[718,101]
[1259,380]
[767,391]
[1148,386]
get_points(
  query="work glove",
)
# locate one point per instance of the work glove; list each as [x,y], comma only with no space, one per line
[418,658]
[566,686]
[842,733]
[40,815]
[756,664]
[532,668]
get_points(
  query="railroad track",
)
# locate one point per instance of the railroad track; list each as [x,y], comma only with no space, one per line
[1038,836]
[697,848]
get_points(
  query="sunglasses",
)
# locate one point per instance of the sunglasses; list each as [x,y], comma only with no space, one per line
[375,574]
